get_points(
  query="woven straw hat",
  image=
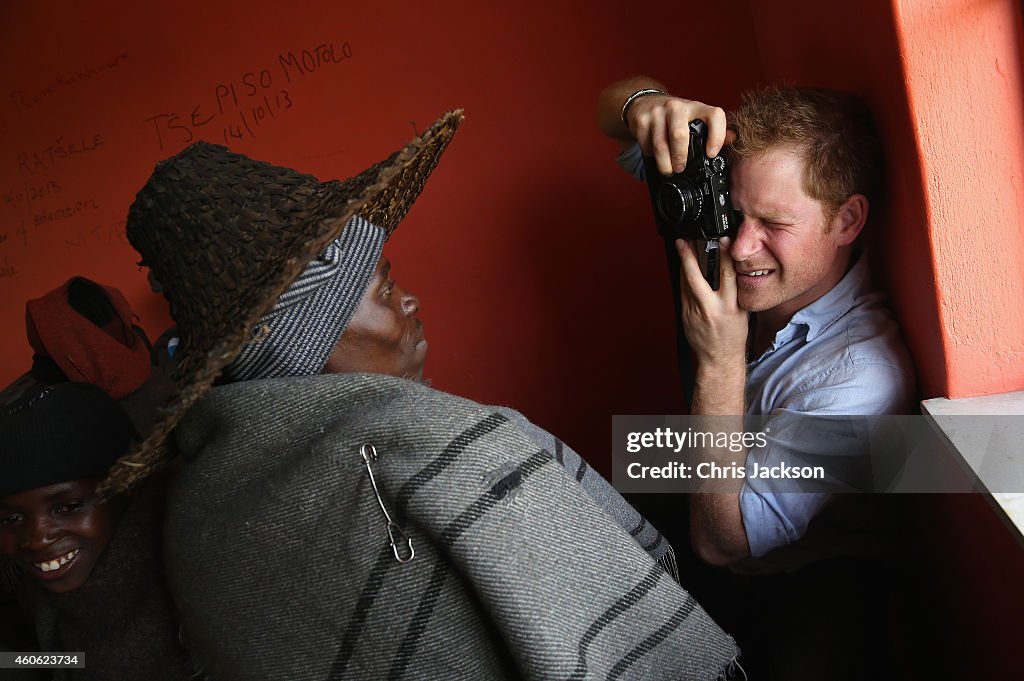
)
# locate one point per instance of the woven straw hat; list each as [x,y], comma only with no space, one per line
[226,235]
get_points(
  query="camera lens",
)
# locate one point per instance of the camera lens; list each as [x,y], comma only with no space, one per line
[678,202]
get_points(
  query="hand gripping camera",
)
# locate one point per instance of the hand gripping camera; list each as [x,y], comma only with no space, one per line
[695,204]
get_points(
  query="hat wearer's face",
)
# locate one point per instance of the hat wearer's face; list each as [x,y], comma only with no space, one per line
[384,335]
[57,532]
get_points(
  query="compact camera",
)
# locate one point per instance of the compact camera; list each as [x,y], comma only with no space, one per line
[695,204]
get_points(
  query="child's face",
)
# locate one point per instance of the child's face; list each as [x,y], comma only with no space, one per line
[57,532]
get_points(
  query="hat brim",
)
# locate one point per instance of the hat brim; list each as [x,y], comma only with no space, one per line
[383,194]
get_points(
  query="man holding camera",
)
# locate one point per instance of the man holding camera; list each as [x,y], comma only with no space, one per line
[793,332]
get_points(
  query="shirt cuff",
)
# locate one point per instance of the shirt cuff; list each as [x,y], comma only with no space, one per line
[772,520]
[632,161]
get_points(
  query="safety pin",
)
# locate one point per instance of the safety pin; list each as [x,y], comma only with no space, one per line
[369,453]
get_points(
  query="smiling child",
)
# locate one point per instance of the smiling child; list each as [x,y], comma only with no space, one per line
[90,574]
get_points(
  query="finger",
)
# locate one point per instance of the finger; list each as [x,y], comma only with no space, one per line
[678,123]
[642,131]
[689,271]
[727,270]
[659,142]
[715,118]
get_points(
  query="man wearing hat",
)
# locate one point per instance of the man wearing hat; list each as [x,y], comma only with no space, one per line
[359,525]
[87,576]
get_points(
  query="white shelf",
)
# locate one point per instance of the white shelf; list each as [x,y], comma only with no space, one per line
[994,454]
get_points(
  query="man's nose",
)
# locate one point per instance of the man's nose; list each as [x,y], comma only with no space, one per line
[747,241]
[410,303]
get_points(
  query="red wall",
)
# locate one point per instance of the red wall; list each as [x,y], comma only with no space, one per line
[944,80]
[534,256]
[963,66]
[854,46]
[962,63]
[540,275]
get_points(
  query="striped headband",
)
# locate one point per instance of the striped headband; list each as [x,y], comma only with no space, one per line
[296,338]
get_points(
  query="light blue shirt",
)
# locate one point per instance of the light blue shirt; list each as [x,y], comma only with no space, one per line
[842,355]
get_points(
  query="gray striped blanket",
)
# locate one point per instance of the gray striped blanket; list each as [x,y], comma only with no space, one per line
[279,557]
[601,491]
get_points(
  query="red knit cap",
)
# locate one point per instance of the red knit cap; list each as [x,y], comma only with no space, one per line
[86,329]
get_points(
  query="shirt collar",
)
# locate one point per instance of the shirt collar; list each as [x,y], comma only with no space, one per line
[824,311]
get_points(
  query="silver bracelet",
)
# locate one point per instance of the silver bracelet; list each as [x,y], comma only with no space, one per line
[632,98]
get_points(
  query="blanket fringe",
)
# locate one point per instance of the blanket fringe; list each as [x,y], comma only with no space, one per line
[669,564]
[731,670]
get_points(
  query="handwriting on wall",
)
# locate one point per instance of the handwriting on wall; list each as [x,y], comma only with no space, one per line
[24,101]
[46,198]
[39,161]
[237,108]
[102,234]
[69,210]
[7,269]
[60,207]
[42,201]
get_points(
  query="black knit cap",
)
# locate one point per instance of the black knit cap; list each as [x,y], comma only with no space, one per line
[67,431]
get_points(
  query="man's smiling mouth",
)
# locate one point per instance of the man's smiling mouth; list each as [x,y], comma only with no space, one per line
[764,272]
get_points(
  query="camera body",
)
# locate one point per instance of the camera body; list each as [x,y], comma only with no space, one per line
[695,204]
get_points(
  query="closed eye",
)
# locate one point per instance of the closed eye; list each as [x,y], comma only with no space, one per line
[777,224]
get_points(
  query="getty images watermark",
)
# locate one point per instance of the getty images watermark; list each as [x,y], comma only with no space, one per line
[797,453]
[704,443]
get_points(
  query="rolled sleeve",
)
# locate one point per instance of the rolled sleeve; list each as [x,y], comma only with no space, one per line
[814,428]
[773,520]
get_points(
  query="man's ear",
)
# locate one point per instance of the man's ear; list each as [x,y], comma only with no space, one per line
[849,220]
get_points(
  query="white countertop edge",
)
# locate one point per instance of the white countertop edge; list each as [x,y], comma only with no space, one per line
[1004,404]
